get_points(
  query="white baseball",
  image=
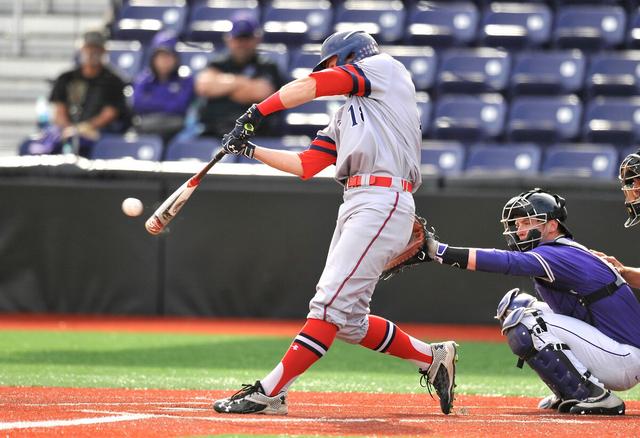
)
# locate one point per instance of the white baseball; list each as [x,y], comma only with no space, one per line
[132,207]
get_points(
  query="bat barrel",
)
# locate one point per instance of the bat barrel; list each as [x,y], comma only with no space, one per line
[154,225]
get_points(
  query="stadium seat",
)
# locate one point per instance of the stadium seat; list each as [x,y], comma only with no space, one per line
[548,72]
[194,56]
[142,147]
[613,119]
[442,157]
[424,111]
[294,143]
[544,119]
[307,119]
[201,149]
[210,20]
[140,20]
[125,57]
[516,25]
[589,27]
[460,117]
[420,61]
[442,24]
[296,22]
[504,159]
[614,73]
[584,160]
[278,54]
[384,20]
[304,60]
[633,34]
[474,70]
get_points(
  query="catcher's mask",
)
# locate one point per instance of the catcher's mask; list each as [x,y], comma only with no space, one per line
[630,180]
[345,44]
[529,210]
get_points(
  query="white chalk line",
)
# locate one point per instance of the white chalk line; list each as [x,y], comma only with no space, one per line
[116,417]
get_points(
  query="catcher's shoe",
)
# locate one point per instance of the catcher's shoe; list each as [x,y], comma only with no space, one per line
[550,402]
[442,373]
[251,399]
[605,404]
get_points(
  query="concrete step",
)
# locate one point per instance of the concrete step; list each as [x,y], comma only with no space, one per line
[23,90]
[53,46]
[83,7]
[17,113]
[71,25]
[13,135]
[33,68]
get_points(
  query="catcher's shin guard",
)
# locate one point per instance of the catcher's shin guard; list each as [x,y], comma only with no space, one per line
[554,368]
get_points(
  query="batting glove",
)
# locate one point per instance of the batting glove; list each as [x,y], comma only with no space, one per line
[235,146]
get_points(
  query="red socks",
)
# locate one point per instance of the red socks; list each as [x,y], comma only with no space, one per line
[385,337]
[309,345]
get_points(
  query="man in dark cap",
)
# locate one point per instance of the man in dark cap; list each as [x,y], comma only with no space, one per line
[237,79]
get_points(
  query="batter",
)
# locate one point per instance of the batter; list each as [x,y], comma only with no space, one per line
[374,141]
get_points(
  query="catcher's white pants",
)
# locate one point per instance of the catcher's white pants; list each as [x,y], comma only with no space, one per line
[374,225]
[615,365]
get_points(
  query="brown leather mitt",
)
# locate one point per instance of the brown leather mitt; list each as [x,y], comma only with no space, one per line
[415,252]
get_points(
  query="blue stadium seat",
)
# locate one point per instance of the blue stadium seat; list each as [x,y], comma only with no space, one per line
[278,54]
[474,70]
[296,22]
[420,61]
[293,143]
[442,157]
[141,20]
[544,119]
[194,56]
[201,148]
[613,119]
[442,24]
[552,72]
[467,117]
[125,57]
[614,73]
[516,25]
[210,20]
[633,34]
[307,119]
[384,20]
[143,147]
[304,60]
[424,111]
[590,27]
[581,160]
[504,159]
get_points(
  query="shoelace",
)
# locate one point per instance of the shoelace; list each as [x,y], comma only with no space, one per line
[246,390]
[426,383]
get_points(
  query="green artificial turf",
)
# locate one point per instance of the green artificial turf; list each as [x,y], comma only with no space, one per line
[178,361]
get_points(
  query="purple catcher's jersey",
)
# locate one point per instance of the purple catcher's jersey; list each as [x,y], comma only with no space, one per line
[564,270]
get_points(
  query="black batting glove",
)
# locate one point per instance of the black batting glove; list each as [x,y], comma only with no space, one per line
[235,146]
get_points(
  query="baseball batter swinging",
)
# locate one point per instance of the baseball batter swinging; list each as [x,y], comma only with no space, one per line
[374,142]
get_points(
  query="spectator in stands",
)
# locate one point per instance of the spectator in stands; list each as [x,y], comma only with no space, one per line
[87,101]
[161,97]
[234,81]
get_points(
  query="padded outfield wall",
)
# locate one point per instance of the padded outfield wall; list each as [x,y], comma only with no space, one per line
[251,246]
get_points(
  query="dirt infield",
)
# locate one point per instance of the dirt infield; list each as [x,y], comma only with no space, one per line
[143,413]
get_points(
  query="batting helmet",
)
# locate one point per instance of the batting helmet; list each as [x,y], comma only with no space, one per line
[344,44]
[630,180]
[539,207]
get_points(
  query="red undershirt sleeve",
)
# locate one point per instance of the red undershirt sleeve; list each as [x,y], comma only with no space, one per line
[321,154]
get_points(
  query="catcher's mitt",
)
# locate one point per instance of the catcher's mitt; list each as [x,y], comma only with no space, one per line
[416,251]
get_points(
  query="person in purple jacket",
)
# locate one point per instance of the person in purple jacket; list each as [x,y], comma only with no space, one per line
[161,96]
[584,339]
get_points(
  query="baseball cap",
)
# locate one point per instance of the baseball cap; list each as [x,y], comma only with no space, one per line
[93,38]
[244,26]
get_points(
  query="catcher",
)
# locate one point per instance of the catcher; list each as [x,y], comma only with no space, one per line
[584,339]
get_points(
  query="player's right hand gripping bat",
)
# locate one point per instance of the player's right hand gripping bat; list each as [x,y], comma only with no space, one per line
[172,205]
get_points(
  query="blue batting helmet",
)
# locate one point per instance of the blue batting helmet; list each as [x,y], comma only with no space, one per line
[344,44]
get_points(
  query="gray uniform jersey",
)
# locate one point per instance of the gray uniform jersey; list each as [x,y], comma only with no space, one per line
[377,130]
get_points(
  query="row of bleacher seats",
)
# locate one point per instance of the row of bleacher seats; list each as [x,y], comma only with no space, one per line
[438,157]
[592,26]
[470,70]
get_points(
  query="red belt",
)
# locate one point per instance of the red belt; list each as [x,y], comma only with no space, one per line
[380,181]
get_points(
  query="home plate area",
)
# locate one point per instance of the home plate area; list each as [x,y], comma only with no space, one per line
[79,412]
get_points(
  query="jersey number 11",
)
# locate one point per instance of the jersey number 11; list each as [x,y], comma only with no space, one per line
[354,121]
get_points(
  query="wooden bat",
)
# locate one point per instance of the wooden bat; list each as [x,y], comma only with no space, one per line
[172,205]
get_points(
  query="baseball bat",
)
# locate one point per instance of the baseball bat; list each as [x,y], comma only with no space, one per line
[172,205]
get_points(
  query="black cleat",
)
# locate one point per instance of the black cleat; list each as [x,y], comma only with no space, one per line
[251,399]
[442,373]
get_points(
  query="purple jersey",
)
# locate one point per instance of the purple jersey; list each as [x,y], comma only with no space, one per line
[563,271]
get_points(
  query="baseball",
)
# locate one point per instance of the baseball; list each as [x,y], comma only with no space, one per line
[132,207]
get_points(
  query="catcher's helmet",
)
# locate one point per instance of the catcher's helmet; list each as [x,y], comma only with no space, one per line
[539,207]
[630,180]
[344,44]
